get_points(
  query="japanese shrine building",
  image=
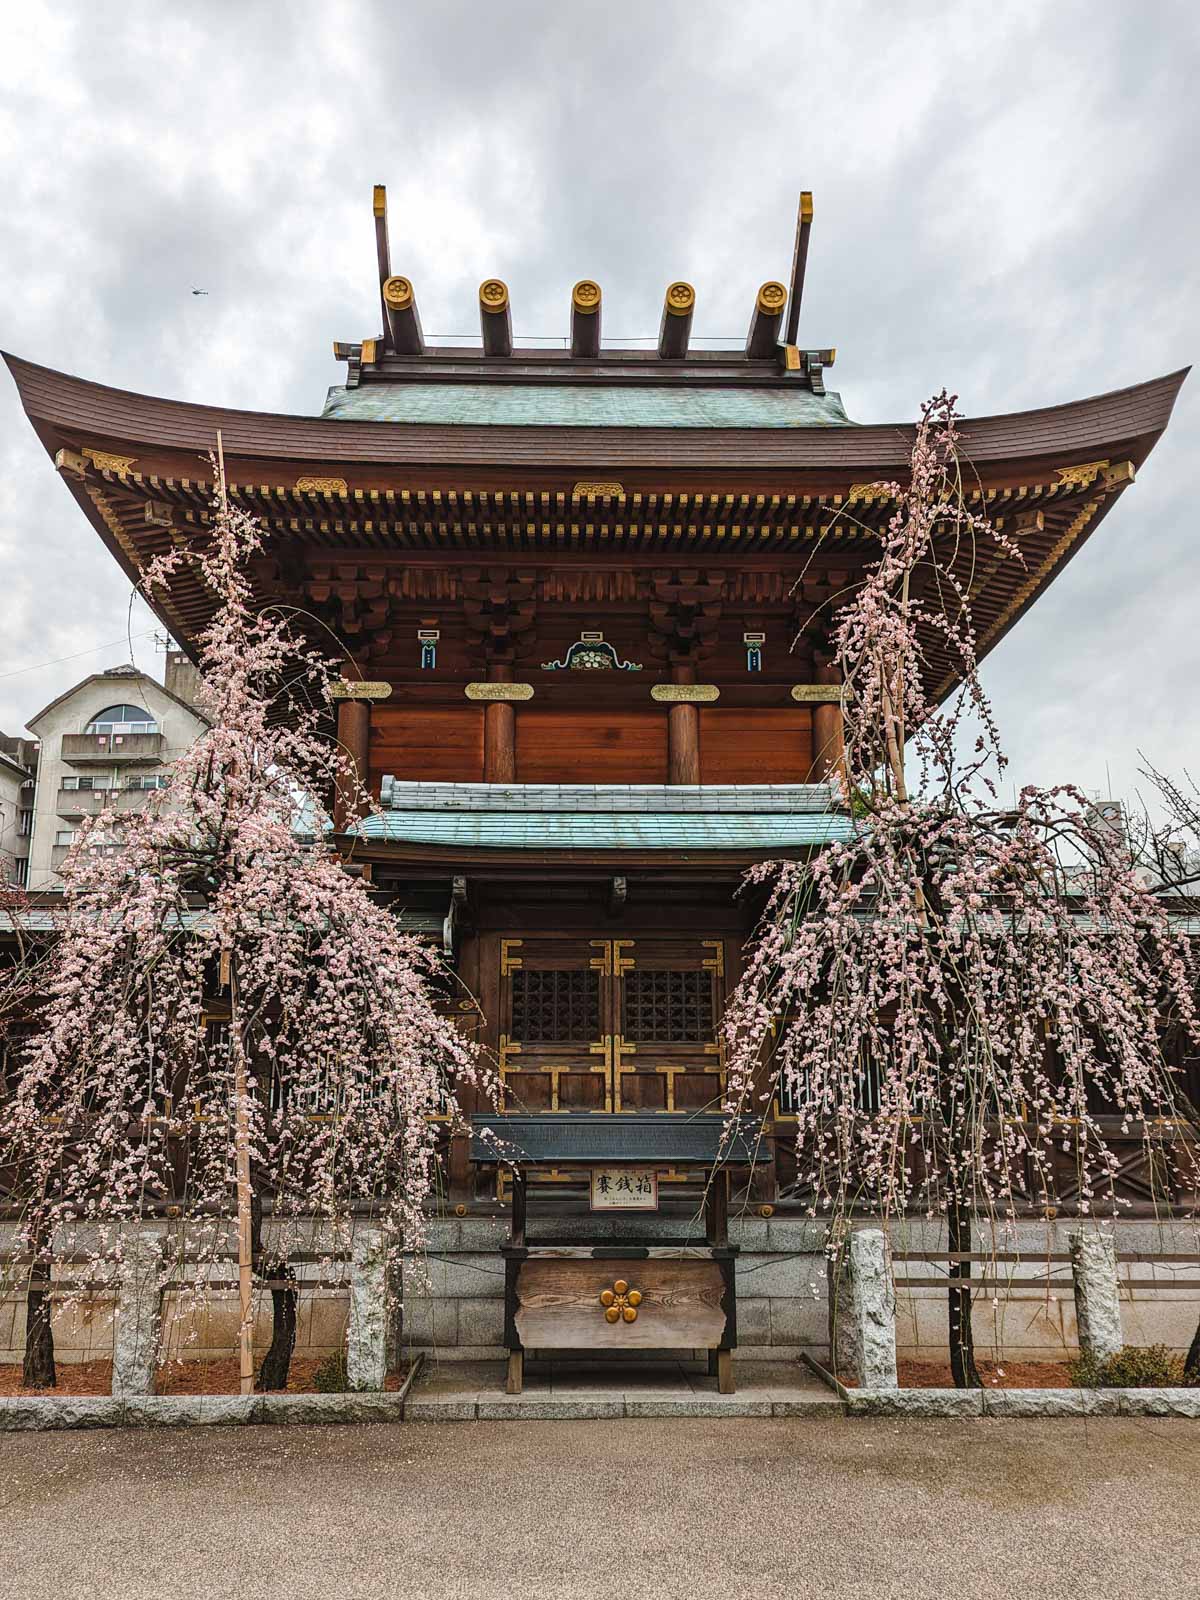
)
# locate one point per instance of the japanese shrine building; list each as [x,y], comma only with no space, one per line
[588,594]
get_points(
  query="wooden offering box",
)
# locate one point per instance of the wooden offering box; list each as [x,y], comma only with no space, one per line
[638,1291]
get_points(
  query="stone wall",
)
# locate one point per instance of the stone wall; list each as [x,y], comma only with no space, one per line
[454,1306]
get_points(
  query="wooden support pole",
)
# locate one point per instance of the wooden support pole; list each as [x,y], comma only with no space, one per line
[829,744]
[766,320]
[683,734]
[245,1212]
[495,318]
[499,731]
[799,264]
[716,1208]
[585,318]
[675,328]
[354,736]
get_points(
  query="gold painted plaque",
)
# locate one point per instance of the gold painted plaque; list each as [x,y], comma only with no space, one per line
[817,693]
[685,693]
[499,691]
[345,689]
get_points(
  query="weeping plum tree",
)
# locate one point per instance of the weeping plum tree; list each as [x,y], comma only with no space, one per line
[229,1021]
[1167,841]
[949,995]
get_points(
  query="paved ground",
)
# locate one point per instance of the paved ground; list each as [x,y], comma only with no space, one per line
[766,1507]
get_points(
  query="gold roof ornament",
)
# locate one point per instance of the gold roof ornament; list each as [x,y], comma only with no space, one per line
[397,294]
[585,296]
[493,294]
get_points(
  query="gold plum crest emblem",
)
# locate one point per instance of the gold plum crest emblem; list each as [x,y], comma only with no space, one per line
[620,1302]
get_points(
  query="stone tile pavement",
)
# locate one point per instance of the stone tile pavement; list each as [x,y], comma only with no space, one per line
[571,1391]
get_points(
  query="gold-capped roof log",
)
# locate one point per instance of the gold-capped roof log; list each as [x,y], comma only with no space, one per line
[383,255]
[495,318]
[799,264]
[767,317]
[585,318]
[679,303]
[403,323]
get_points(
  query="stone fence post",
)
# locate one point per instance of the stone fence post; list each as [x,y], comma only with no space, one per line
[862,1310]
[1097,1293]
[370,1344]
[136,1328]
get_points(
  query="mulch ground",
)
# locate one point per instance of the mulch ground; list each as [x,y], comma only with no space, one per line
[995,1375]
[177,1377]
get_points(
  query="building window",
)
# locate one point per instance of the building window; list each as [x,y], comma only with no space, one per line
[65,836]
[20,872]
[24,823]
[122,719]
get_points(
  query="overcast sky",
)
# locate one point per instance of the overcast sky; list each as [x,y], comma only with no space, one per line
[1006,204]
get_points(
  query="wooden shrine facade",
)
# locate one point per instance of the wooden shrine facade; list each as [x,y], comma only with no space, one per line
[584,601]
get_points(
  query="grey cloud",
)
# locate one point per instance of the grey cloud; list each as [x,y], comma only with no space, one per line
[1005,205]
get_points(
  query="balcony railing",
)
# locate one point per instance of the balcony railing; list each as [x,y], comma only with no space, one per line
[107,749]
[74,803]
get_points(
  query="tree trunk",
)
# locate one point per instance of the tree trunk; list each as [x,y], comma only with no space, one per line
[38,1368]
[273,1373]
[1191,1365]
[962,1338]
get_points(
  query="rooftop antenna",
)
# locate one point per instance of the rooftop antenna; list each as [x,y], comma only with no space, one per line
[799,263]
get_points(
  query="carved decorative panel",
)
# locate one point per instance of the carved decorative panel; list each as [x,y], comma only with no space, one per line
[555,1005]
[668,1006]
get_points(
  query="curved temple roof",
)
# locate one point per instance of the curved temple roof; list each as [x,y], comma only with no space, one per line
[602,473]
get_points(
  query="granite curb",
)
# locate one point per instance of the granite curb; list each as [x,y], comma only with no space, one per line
[51,1413]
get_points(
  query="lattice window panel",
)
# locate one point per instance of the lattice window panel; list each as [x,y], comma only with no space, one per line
[555,1005]
[664,1005]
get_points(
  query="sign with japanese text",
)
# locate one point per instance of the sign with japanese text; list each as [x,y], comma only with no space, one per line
[624,1189]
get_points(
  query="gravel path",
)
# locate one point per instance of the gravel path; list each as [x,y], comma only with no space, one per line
[830,1508]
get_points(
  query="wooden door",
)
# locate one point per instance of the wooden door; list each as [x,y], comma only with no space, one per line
[611,1024]
[555,1001]
[669,995]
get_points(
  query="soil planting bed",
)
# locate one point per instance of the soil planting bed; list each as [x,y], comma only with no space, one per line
[995,1375]
[177,1377]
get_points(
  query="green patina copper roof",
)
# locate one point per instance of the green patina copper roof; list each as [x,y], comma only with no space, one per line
[753,817]
[563,406]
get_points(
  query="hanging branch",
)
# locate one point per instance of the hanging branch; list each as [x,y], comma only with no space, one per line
[947,995]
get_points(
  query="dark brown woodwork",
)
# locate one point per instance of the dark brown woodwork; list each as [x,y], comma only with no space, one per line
[764,745]
[383,254]
[499,732]
[585,318]
[683,734]
[617,746]
[675,329]
[495,318]
[766,320]
[403,322]
[354,737]
[829,749]
[439,744]
[799,264]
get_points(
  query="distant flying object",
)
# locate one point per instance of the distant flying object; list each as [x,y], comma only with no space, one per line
[199,291]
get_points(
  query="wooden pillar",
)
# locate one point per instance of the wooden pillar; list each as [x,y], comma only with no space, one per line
[354,736]
[499,731]
[683,734]
[829,748]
